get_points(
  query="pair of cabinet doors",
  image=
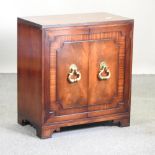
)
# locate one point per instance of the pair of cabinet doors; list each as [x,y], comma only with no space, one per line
[87,70]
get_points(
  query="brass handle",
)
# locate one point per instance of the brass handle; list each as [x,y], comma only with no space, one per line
[104,69]
[73,72]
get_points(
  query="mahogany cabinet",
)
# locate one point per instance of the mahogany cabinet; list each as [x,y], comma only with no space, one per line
[74,69]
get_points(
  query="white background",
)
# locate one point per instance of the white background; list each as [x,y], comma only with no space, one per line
[143,12]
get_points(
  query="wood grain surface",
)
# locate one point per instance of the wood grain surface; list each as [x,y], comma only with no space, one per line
[46,99]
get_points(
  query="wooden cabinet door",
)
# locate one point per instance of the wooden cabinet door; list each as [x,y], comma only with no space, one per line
[67,100]
[72,94]
[105,96]
[64,47]
[101,91]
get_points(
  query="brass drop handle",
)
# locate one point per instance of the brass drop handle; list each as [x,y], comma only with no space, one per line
[73,72]
[104,69]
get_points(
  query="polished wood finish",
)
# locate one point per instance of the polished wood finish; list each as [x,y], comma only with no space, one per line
[107,51]
[29,74]
[46,49]
[72,95]
[72,19]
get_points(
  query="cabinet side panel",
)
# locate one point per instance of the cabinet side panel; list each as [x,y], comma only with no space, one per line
[29,73]
[128,64]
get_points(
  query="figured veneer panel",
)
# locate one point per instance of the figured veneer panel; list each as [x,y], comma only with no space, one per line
[102,91]
[71,95]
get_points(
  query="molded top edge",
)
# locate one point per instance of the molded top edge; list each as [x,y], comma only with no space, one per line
[72,19]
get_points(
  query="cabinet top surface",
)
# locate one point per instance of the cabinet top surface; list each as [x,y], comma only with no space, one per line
[73,19]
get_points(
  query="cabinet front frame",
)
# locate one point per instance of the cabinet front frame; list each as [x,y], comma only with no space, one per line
[54,39]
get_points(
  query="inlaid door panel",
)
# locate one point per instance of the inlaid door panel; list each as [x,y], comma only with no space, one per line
[101,91]
[70,93]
